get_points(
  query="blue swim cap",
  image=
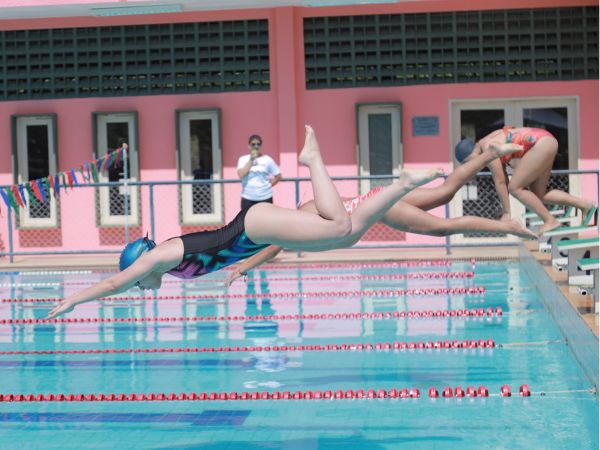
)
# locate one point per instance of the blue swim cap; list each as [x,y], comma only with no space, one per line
[134,250]
[463,149]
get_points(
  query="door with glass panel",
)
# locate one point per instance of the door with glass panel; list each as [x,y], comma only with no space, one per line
[36,159]
[475,119]
[112,131]
[379,142]
[199,151]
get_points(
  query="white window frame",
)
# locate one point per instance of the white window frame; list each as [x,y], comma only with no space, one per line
[183,118]
[363,110]
[100,122]
[22,175]
[513,115]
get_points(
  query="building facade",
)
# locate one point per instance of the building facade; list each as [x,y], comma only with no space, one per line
[385,86]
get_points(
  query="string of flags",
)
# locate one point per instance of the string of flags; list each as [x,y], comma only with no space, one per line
[41,190]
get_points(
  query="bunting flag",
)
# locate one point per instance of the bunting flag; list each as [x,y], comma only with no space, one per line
[73,175]
[32,199]
[47,187]
[81,172]
[36,190]
[103,163]
[118,157]
[56,186]
[22,192]
[64,180]
[52,185]
[40,185]
[5,198]
[17,195]
[11,199]
[94,172]
[42,189]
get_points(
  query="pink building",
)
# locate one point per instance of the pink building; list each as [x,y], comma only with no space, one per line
[385,85]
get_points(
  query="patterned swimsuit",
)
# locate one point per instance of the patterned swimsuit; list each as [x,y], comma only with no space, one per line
[209,251]
[527,137]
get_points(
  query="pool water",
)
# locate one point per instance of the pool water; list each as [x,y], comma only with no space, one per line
[529,349]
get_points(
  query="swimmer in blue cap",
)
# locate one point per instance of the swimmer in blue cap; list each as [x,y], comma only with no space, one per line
[192,255]
[531,159]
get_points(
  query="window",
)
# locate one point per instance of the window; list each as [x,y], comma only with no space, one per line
[199,143]
[135,60]
[35,142]
[379,142]
[451,47]
[476,119]
[112,130]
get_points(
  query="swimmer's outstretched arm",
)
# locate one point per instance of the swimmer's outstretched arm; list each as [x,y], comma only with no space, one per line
[149,262]
[255,260]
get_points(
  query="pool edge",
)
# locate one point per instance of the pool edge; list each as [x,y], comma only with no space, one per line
[580,338]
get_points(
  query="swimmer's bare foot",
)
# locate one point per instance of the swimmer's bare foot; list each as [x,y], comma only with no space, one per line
[415,178]
[310,151]
[496,150]
[518,229]
[549,226]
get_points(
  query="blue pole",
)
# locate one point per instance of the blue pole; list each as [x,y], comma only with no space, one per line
[152,229]
[126,192]
[11,256]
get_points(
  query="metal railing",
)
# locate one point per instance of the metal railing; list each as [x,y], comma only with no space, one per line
[123,232]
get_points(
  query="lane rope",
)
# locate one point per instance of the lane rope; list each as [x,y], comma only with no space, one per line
[407,276]
[453,313]
[378,346]
[472,290]
[393,393]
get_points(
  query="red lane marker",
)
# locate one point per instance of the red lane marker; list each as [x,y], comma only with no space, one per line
[454,313]
[378,346]
[339,394]
[406,276]
[473,290]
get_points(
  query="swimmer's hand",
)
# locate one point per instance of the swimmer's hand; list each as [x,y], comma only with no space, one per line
[233,275]
[62,308]
[505,217]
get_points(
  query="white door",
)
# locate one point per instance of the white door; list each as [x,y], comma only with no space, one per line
[36,158]
[200,159]
[379,142]
[114,129]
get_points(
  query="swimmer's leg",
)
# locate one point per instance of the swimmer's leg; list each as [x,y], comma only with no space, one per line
[375,207]
[405,217]
[326,197]
[266,223]
[429,198]
[533,172]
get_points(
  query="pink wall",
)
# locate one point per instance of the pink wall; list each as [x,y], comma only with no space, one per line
[277,115]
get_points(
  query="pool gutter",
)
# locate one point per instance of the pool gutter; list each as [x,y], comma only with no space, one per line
[580,338]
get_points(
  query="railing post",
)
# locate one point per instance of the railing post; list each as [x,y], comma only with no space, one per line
[11,256]
[151,198]
[126,191]
[297,198]
[447,212]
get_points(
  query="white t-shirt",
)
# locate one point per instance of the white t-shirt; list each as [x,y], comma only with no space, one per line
[256,185]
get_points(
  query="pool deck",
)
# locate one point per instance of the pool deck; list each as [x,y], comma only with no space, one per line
[581,303]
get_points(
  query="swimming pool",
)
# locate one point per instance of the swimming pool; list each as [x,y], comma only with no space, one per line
[310,331]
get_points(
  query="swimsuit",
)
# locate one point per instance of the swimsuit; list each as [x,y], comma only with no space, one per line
[527,137]
[209,251]
[351,205]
